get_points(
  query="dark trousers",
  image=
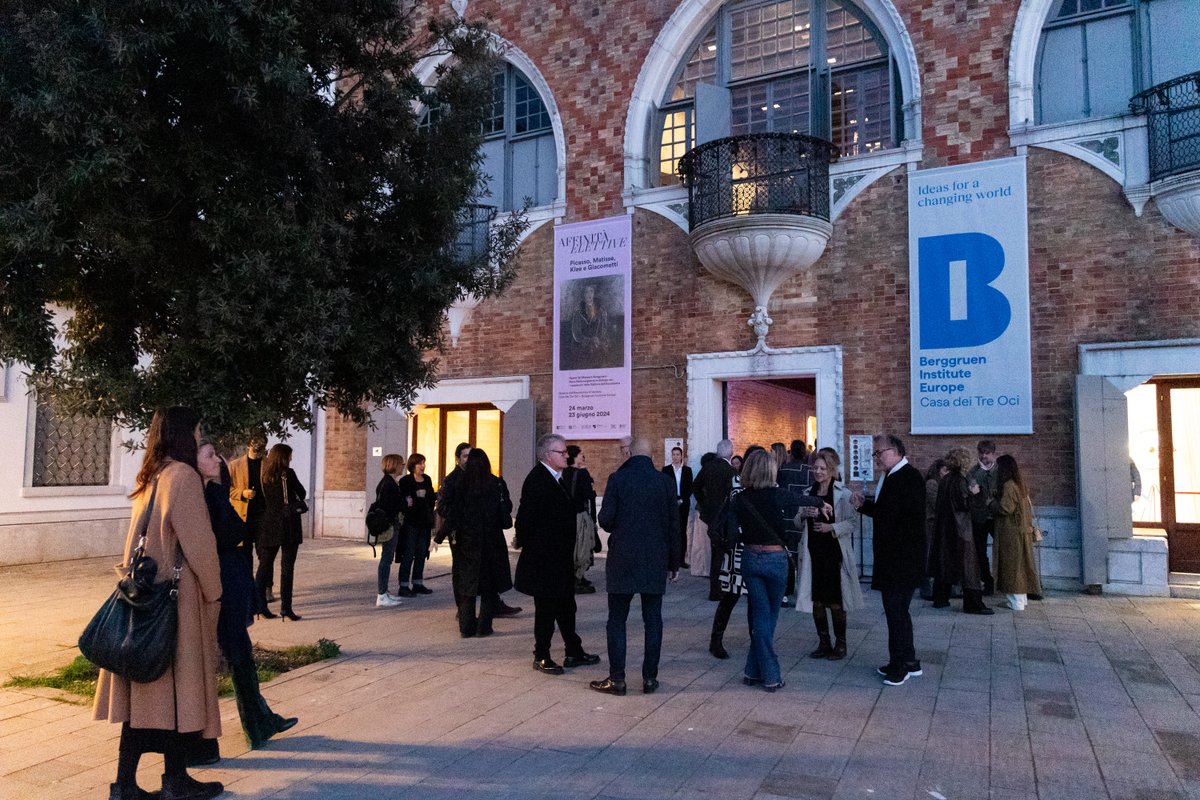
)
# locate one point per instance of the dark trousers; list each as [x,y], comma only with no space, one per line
[413,550]
[386,556]
[618,615]
[980,534]
[899,623]
[551,611]
[266,568]
[468,623]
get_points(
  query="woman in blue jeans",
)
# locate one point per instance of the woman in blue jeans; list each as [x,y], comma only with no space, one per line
[389,496]
[763,510]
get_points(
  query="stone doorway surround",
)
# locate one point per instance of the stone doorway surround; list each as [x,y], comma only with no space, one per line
[707,371]
[1138,564]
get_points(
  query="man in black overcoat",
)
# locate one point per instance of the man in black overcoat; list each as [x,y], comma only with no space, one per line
[545,534]
[642,520]
[898,511]
[711,487]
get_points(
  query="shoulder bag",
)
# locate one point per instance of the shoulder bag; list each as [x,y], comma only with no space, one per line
[133,634]
[380,529]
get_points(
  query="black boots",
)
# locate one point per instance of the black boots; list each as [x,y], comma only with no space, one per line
[824,649]
[716,644]
[973,602]
[259,722]
[839,632]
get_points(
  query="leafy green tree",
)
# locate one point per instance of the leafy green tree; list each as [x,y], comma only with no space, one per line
[240,205]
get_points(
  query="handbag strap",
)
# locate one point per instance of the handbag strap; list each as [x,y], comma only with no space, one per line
[770,528]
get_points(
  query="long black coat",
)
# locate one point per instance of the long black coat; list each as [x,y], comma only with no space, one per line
[642,520]
[711,487]
[237,584]
[899,539]
[475,523]
[952,552]
[546,536]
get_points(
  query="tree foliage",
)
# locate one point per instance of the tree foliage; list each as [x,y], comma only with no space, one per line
[238,204]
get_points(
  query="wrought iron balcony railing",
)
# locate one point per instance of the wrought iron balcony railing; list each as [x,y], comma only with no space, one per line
[474,222]
[1173,112]
[757,173]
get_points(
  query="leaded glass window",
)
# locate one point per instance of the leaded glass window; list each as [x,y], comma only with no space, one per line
[70,449]
[779,71]
[519,155]
[1095,55]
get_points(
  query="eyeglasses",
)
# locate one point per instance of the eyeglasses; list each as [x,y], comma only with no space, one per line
[560,452]
[878,453]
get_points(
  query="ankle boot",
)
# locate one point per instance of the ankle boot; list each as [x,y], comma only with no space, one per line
[253,710]
[823,646]
[839,632]
[185,787]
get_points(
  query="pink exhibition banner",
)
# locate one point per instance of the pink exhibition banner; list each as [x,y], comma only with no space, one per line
[592,329]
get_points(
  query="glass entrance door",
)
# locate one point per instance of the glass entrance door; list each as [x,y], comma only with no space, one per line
[438,430]
[1164,445]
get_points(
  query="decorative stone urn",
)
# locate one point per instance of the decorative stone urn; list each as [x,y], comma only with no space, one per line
[760,252]
[1178,198]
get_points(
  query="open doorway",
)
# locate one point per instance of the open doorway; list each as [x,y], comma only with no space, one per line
[1164,447]
[762,411]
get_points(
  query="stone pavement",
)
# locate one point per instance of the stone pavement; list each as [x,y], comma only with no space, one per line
[1078,697]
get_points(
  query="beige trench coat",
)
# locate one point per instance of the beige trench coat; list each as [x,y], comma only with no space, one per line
[845,518]
[1012,553]
[185,697]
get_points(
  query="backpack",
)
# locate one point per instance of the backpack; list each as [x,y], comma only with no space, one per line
[725,532]
[380,528]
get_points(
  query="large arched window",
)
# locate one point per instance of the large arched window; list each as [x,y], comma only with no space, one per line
[807,66]
[1095,55]
[518,150]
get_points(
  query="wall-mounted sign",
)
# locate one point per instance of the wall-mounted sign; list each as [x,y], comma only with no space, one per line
[861,466]
[969,304]
[592,326]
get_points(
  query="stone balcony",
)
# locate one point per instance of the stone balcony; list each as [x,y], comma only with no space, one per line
[1172,110]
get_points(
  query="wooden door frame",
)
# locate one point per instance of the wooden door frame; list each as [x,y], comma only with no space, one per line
[1166,461]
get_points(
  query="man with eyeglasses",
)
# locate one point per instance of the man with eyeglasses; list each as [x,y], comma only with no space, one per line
[545,534]
[898,511]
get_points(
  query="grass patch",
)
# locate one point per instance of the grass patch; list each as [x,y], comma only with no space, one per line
[79,677]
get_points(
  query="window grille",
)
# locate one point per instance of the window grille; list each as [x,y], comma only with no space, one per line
[70,449]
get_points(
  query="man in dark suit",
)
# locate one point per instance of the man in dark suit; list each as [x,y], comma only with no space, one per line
[640,515]
[898,511]
[796,476]
[681,481]
[711,487]
[545,533]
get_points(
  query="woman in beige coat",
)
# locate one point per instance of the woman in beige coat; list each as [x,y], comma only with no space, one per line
[828,569]
[165,715]
[1016,570]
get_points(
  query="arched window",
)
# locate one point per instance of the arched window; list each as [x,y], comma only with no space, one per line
[518,150]
[1095,55]
[764,66]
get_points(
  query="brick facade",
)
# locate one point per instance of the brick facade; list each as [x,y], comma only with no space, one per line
[1098,272]
[763,413]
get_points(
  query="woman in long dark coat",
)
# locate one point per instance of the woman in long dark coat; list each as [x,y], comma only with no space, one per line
[413,549]
[952,553]
[259,723]
[277,531]
[476,530]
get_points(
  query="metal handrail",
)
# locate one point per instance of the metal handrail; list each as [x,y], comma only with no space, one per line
[1172,109]
[757,173]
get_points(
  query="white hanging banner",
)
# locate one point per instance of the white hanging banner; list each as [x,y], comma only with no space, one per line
[969,343]
[592,329]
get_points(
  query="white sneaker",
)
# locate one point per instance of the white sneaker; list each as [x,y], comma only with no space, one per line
[385,600]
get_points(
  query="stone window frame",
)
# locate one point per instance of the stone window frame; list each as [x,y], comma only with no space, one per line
[426,72]
[28,489]
[1116,145]
[671,49]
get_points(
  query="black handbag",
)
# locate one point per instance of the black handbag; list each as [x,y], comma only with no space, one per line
[133,634]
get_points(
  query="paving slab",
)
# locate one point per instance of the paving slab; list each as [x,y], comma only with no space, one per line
[1077,697]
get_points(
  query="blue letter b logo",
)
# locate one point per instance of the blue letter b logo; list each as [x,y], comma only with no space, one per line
[958,306]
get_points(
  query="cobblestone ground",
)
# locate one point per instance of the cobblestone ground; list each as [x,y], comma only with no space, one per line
[1078,697]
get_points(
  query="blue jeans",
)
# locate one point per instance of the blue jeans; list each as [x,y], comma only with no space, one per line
[412,556]
[618,614]
[764,575]
[385,562]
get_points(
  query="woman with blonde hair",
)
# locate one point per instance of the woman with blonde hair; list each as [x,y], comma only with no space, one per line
[828,567]
[952,553]
[387,494]
[169,714]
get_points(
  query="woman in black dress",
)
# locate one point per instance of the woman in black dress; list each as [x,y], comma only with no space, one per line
[419,499]
[829,572]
